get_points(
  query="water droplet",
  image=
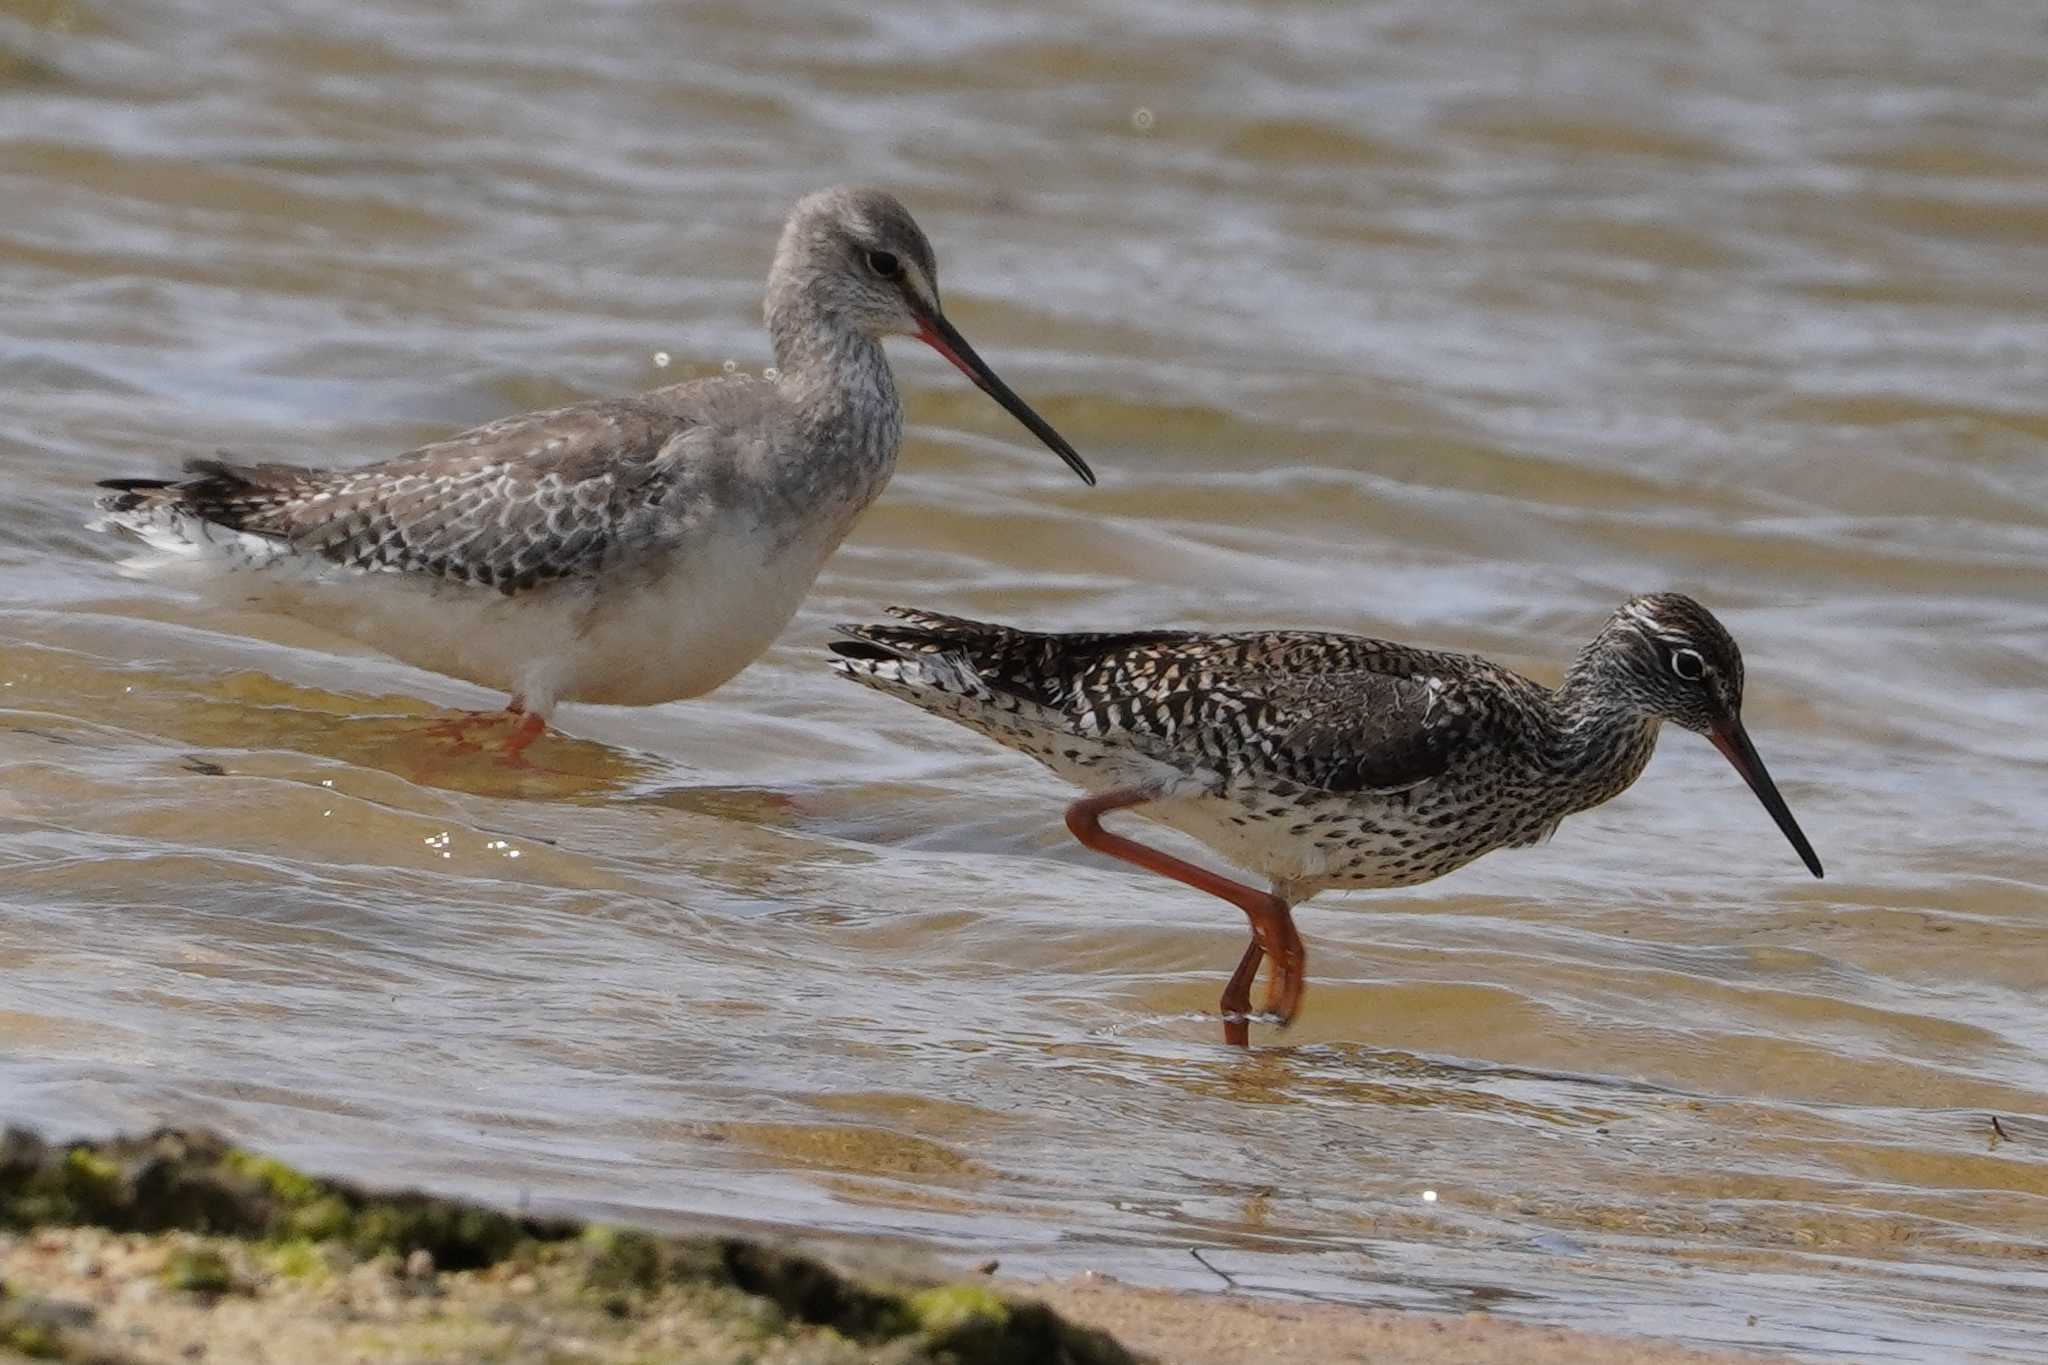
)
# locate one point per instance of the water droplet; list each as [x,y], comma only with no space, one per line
[661,359]
[1141,119]
[771,374]
[730,366]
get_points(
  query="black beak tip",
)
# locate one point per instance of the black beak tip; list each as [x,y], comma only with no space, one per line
[1733,742]
[943,337]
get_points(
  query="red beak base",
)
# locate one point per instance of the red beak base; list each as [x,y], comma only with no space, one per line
[942,337]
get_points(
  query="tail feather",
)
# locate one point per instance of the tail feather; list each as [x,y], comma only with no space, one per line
[135,485]
[1031,666]
[175,519]
[952,655]
[982,676]
[926,632]
[211,488]
[995,665]
[929,677]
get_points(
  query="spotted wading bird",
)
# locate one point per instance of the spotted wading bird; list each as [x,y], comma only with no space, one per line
[1319,760]
[625,551]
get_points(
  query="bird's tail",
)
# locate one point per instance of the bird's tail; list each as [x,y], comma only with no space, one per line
[941,664]
[165,517]
[927,653]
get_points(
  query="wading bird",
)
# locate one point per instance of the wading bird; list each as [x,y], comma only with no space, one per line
[625,551]
[1317,760]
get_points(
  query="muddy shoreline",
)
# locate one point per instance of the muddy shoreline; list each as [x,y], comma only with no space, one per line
[180,1246]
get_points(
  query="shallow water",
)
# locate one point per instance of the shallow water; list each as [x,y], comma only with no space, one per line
[1452,322]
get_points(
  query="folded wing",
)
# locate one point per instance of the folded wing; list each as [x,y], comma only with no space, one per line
[1334,712]
[511,505]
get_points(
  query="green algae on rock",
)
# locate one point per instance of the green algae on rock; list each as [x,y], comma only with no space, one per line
[197,1182]
[232,1247]
[201,1270]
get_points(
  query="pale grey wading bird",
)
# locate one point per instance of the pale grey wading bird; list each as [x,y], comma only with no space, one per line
[1317,760]
[624,551]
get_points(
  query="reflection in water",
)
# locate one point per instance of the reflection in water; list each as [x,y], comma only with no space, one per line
[1454,326]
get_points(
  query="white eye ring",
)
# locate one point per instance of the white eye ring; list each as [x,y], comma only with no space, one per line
[1687,664]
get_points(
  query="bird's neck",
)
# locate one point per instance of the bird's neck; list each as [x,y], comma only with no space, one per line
[849,421]
[1597,737]
[838,378]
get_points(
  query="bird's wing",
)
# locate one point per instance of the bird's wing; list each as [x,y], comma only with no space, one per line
[1339,713]
[1333,713]
[510,505]
[1356,732]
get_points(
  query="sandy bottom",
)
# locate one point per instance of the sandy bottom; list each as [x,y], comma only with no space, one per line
[178,1246]
[1223,1329]
[117,1298]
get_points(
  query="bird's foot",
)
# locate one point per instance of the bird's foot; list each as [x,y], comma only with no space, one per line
[1237,1030]
[1237,1024]
[455,729]
[512,753]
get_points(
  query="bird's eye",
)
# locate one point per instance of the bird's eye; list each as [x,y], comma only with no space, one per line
[885,264]
[1688,665]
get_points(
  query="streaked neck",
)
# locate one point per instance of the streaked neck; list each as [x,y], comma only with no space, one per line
[1597,738]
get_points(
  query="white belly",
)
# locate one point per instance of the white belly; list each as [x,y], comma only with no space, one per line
[669,630]
[687,631]
[1310,844]
[1185,804]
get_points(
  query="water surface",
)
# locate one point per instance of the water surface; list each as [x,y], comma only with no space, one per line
[1455,322]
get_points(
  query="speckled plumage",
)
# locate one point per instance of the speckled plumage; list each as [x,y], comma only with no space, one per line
[513,505]
[1319,760]
[628,550]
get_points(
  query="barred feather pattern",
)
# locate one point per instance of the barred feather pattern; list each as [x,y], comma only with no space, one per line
[1316,759]
[569,493]
[624,551]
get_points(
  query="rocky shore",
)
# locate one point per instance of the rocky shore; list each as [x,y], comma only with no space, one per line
[180,1246]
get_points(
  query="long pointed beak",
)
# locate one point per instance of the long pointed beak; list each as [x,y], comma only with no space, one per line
[1733,742]
[942,337]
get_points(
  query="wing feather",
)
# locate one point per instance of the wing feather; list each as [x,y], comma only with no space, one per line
[511,505]
[1338,713]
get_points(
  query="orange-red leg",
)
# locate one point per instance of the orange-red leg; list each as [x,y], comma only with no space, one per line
[526,728]
[1272,920]
[529,729]
[1237,997]
[456,728]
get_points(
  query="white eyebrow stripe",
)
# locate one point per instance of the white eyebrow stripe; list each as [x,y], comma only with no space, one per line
[1665,634]
[1649,622]
[920,284]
